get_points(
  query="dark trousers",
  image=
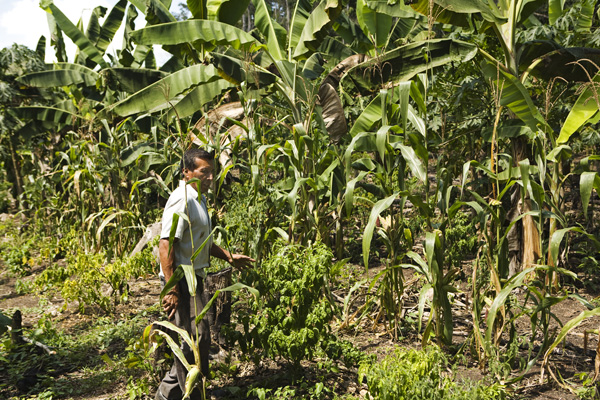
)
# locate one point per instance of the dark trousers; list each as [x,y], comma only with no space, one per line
[173,384]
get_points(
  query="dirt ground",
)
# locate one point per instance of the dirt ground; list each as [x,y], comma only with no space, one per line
[573,357]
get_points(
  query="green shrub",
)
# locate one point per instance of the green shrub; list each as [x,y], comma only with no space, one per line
[90,280]
[421,374]
[291,319]
[461,239]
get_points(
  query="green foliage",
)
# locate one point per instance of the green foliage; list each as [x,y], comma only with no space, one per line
[461,239]
[22,246]
[291,319]
[421,374]
[249,218]
[89,279]
[100,349]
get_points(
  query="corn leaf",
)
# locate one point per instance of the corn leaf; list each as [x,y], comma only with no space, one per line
[233,288]
[376,211]
[568,327]
[191,380]
[174,345]
[587,182]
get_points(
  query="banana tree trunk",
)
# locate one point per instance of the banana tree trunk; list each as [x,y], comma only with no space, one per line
[17,169]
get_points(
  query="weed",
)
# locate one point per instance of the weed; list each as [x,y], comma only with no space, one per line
[89,280]
[420,374]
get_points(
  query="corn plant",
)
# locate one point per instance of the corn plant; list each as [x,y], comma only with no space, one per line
[150,336]
[440,283]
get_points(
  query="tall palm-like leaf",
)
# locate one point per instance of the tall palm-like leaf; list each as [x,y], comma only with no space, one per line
[404,63]
[316,26]
[160,92]
[274,33]
[111,25]
[374,23]
[204,31]
[62,74]
[77,36]
[228,11]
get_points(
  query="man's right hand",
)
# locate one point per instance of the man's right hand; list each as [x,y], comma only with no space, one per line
[169,303]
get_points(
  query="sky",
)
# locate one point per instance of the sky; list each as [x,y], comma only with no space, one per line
[23,22]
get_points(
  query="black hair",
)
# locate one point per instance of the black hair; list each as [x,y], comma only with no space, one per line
[190,156]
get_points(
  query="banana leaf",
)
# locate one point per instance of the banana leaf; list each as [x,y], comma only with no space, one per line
[131,80]
[456,12]
[166,89]
[332,112]
[40,48]
[46,114]
[516,97]
[127,29]
[585,107]
[63,74]
[158,13]
[398,10]
[140,5]
[198,97]
[198,8]
[370,116]
[585,16]
[404,63]
[93,29]
[111,25]
[548,60]
[204,31]
[235,70]
[355,40]
[274,33]
[373,23]
[227,11]
[297,23]
[56,39]
[82,42]
[315,29]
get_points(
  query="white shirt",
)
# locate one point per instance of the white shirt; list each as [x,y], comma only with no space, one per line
[199,221]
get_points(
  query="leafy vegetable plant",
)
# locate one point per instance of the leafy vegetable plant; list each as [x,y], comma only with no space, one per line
[291,318]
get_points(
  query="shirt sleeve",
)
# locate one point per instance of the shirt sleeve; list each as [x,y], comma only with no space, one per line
[178,205]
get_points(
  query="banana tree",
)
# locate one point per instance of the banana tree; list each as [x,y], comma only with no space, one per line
[509,75]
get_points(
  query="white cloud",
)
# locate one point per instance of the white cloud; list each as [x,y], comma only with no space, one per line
[23,22]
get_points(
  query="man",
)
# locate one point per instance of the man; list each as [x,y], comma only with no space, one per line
[197,169]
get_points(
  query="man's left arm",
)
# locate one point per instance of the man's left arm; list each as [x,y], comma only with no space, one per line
[239,261]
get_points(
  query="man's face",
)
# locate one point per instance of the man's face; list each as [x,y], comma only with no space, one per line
[203,171]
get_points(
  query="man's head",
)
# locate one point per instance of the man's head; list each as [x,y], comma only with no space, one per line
[198,163]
